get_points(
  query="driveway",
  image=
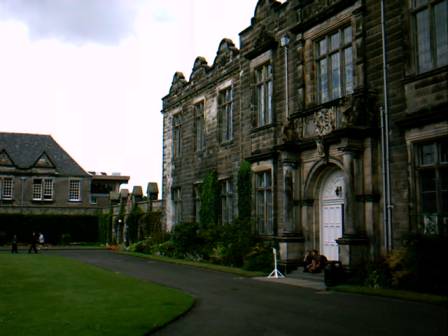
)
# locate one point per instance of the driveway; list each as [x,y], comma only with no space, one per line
[230,305]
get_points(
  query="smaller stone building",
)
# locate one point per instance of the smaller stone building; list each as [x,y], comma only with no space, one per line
[37,176]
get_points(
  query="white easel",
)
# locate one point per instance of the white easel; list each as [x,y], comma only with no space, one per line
[275,273]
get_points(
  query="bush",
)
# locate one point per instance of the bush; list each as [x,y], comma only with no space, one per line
[167,249]
[143,246]
[259,258]
[419,264]
[187,240]
[376,274]
[416,266]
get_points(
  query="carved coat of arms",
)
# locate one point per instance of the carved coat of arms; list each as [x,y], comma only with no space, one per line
[324,121]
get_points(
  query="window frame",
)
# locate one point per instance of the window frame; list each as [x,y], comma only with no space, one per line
[346,69]
[199,126]
[177,135]
[73,192]
[264,214]
[435,221]
[176,196]
[263,77]
[226,196]
[431,35]
[10,188]
[41,190]
[225,109]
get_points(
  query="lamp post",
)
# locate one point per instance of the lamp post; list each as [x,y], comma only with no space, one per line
[119,231]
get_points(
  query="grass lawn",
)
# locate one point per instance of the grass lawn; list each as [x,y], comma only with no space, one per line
[50,295]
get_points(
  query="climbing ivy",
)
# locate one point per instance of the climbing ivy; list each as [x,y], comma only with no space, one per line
[133,223]
[209,196]
[244,191]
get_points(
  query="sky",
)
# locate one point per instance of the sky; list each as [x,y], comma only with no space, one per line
[92,73]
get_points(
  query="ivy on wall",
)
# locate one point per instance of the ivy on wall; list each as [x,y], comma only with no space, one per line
[209,212]
[244,191]
[132,221]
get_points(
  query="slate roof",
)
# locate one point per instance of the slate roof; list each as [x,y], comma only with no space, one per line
[25,149]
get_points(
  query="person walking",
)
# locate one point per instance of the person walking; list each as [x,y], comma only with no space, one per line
[41,240]
[14,244]
[33,245]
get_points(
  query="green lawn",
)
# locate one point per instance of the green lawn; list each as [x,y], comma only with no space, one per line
[49,295]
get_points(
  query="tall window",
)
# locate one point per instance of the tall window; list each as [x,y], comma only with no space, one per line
[42,189]
[177,136]
[432,171]
[199,127]
[263,199]
[74,190]
[177,200]
[335,65]
[431,33]
[226,201]
[6,188]
[263,92]
[225,110]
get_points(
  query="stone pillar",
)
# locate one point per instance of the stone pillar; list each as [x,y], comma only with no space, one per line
[291,240]
[349,206]
[353,246]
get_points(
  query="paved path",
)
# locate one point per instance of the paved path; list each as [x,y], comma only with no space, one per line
[229,305]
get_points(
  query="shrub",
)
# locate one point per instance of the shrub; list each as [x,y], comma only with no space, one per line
[167,249]
[186,239]
[259,258]
[376,274]
[143,246]
[416,266]
[419,264]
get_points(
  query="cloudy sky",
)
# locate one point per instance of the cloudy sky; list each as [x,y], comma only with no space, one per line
[92,73]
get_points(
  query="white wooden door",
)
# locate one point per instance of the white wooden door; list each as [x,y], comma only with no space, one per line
[332,217]
[331,230]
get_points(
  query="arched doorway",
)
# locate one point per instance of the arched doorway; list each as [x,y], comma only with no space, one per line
[331,213]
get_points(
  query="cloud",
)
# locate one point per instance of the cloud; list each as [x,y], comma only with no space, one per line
[74,21]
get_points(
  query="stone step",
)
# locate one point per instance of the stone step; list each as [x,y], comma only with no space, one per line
[299,274]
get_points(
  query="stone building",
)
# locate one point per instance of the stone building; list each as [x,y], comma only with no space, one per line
[43,188]
[340,106]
